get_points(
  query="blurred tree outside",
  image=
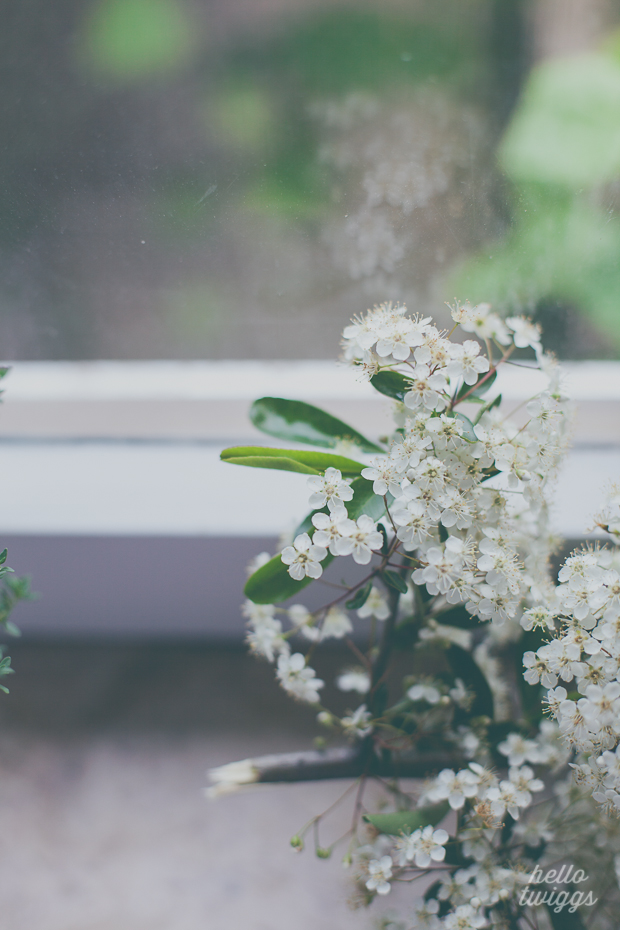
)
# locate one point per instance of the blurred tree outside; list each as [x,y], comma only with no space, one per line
[221,180]
[561,156]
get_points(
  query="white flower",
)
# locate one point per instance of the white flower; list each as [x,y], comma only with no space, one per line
[376,606]
[399,335]
[329,527]
[426,390]
[354,680]
[481,321]
[332,489]
[501,567]
[446,432]
[466,362]
[428,693]
[518,749]
[386,475]
[414,523]
[524,781]
[426,915]
[379,870]
[360,539]
[545,412]
[265,632]
[454,787]
[266,640]
[537,669]
[444,567]
[515,792]
[525,332]
[423,847]
[458,510]
[464,917]
[539,617]
[430,475]
[299,615]
[356,724]
[336,624]
[299,679]
[601,705]
[304,622]
[303,558]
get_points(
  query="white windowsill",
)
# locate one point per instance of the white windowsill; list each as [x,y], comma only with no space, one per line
[132,448]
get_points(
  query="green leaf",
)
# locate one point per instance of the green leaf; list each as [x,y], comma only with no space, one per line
[3,556]
[465,667]
[391,383]
[468,427]
[393,580]
[301,422]
[365,500]
[272,582]
[482,385]
[494,403]
[359,598]
[306,462]
[386,543]
[408,821]
[4,372]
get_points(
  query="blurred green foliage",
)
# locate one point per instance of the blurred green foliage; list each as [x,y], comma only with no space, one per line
[344,49]
[128,39]
[242,115]
[561,155]
[566,130]
[326,55]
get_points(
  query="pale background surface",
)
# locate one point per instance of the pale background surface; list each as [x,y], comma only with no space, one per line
[104,823]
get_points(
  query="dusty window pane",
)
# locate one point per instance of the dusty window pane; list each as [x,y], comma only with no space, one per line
[192,180]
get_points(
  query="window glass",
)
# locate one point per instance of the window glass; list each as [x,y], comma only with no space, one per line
[183,179]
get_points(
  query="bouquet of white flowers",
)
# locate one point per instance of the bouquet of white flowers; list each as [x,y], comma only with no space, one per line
[448,518]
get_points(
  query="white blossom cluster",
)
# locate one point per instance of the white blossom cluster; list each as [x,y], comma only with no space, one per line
[453,543]
[439,473]
[464,500]
[580,663]
[483,801]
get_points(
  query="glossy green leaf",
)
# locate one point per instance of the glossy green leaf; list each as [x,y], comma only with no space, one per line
[272,582]
[386,542]
[306,462]
[391,383]
[494,403]
[359,598]
[365,500]
[393,580]
[408,821]
[301,422]
[468,427]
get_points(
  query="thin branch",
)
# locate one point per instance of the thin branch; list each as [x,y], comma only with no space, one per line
[346,762]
